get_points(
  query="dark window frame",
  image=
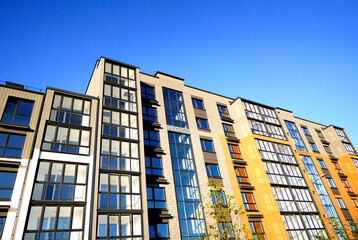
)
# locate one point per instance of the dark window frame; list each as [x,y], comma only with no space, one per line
[123,78]
[6,145]
[227,131]
[150,139]
[148,117]
[118,129]
[199,123]
[144,91]
[305,131]
[209,170]
[15,112]
[14,170]
[204,145]
[120,103]
[198,103]
[223,111]
[154,200]
[149,169]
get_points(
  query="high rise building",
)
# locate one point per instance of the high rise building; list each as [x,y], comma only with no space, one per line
[132,157]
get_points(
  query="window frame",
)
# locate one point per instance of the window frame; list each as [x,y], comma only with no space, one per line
[195,103]
[150,166]
[145,94]
[305,131]
[146,116]
[8,170]
[248,205]
[227,132]
[322,164]
[223,111]
[347,186]
[313,146]
[149,139]
[154,200]
[204,145]
[15,113]
[331,183]
[233,153]
[6,143]
[241,177]
[199,123]
[341,203]
[209,170]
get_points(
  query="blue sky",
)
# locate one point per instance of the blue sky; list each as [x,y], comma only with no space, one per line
[298,55]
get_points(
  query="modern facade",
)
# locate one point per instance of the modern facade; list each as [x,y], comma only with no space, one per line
[132,158]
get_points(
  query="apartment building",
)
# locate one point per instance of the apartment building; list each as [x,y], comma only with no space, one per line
[132,158]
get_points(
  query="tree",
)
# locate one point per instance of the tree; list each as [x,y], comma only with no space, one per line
[226,214]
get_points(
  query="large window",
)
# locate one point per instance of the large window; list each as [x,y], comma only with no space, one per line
[121,125]
[257,230]
[174,108]
[64,139]
[234,151]
[328,150]
[120,154]
[11,145]
[119,98]
[228,130]
[202,123]
[223,111]
[56,181]
[149,114]
[212,170]
[349,148]
[295,136]
[207,145]
[321,163]
[147,91]
[119,191]
[241,175]
[156,197]
[159,231]
[153,166]
[126,226]
[355,203]
[355,161]
[284,199]
[186,185]
[249,201]
[17,111]
[6,184]
[55,222]
[70,110]
[119,75]
[338,168]
[151,138]
[197,103]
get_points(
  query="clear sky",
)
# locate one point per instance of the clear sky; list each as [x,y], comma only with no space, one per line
[300,55]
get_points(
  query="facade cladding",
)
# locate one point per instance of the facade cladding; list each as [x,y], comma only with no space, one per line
[132,158]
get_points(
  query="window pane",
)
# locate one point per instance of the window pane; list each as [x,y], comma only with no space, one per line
[63,221]
[48,222]
[34,218]
[125,226]
[69,176]
[77,220]
[81,174]
[137,225]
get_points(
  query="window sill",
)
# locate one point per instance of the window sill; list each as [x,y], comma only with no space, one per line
[204,129]
[200,109]
[209,151]
[17,127]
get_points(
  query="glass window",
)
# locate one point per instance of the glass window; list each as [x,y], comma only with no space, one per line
[69,140]
[119,75]
[313,147]
[305,131]
[228,130]
[355,161]
[320,134]
[212,170]
[149,114]
[202,123]
[218,197]
[341,203]
[11,145]
[55,222]
[156,197]
[225,230]
[295,136]
[355,203]
[56,181]
[257,230]
[223,111]
[328,150]
[17,111]
[338,168]
[321,163]
[153,166]
[249,201]
[234,151]
[342,136]
[122,125]
[151,138]
[70,110]
[119,98]
[114,226]
[6,184]
[241,175]
[159,231]
[347,186]
[2,224]
[197,103]
[119,191]
[174,108]
[147,91]
[207,145]
[331,183]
